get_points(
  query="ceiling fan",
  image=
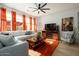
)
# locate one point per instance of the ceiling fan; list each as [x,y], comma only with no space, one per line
[40,7]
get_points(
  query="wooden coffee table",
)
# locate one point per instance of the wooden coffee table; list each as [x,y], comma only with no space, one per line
[34,43]
[31,42]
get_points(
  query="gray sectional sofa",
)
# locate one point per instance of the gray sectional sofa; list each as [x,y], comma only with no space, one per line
[20,48]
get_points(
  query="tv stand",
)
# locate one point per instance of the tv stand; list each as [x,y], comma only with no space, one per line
[49,30]
[48,34]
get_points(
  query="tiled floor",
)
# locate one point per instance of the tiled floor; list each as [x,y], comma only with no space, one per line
[65,49]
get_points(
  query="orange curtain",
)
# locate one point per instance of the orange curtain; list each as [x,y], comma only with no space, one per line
[13,21]
[24,22]
[30,23]
[35,24]
[3,19]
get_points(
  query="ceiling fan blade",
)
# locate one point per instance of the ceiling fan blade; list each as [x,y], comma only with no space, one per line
[34,10]
[39,6]
[43,5]
[33,7]
[42,11]
[36,4]
[45,8]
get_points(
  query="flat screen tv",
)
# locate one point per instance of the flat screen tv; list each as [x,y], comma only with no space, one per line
[50,27]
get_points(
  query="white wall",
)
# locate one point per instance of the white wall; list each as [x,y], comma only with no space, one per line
[57,18]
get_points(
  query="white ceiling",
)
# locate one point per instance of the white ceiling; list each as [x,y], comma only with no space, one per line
[54,7]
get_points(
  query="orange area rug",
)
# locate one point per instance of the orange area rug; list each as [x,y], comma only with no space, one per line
[46,49]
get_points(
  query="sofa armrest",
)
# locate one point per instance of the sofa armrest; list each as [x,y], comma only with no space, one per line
[18,49]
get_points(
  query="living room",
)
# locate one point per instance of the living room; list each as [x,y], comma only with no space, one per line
[39,29]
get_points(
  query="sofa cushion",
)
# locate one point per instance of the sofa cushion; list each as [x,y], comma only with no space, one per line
[1,45]
[17,33]
[23,37]
[7,40]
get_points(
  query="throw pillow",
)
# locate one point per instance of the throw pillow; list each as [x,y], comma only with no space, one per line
[29,32]
[7,40]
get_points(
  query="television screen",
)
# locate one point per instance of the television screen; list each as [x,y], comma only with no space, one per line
[50,27]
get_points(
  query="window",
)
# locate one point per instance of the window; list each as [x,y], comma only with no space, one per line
[19,22]
[8,21]
[32,24]
[28,23]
